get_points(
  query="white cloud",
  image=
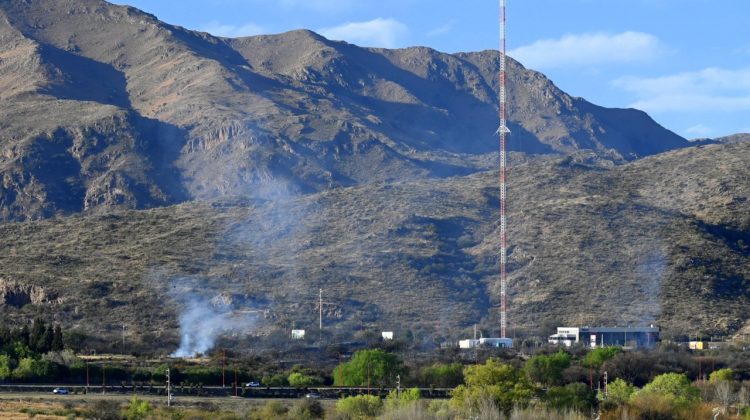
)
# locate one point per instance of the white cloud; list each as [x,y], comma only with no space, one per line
[232,31]
[442,29]
[374,33]
[699,130]
[589,49]
[711,89]
[321,5]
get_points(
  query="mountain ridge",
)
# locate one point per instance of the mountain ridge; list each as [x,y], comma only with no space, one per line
[249,115]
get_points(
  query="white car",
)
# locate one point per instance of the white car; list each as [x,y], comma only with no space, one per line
[60,391]
[253,384]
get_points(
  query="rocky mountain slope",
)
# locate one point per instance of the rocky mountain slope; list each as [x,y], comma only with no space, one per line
[665,239]
[124,111]
[144,167]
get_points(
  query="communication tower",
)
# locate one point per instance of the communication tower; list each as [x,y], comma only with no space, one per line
[503,131]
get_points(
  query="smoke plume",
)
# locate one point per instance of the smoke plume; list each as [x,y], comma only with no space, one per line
[203,321]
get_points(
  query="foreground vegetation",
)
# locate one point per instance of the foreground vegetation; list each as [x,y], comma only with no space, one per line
[667,383]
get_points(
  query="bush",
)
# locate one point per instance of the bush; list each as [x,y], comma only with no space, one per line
[547,369]
[406,397]
[596,357]
[619,393]
[307,409]
[577,396]
[5,367]
[203,374]
[105,410]
[673,385]
[725,374]
[278,379]
[272,410]
[360,406]
[442,376]
[25,369]
[138,409]
[298,380]
[493,382]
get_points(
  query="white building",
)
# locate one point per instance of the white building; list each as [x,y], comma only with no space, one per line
[298,334]
[486,342]
[606,336]
[387,335]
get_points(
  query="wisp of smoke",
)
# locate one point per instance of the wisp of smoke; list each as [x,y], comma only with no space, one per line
[202,322]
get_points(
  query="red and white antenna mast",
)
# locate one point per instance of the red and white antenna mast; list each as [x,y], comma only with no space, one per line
[503,131]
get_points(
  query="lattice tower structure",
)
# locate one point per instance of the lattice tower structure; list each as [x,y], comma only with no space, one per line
[503,131]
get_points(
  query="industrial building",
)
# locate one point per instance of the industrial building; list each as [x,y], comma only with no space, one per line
[634,337]
[486,342]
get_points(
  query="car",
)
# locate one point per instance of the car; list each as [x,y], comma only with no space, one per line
[312,395]
[253,384]
[60,391]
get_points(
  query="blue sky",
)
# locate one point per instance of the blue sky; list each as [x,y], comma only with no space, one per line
[685,62]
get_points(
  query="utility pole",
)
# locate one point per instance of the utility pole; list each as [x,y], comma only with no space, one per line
[169,390]
[223,365]
[320,309]
[122,350]
[235,381]
[88,384]
[398,386]
[606,383]
[104,379]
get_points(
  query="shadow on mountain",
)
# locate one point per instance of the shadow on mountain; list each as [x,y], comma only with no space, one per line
[83,79]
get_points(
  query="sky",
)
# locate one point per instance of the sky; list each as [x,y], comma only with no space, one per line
[685,62]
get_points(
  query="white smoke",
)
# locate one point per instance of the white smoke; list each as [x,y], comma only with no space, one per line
[203,321]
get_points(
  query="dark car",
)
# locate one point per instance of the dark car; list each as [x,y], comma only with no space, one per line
[312,395]
[60,391]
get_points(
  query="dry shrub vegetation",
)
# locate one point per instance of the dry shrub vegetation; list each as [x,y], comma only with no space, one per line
[650,241]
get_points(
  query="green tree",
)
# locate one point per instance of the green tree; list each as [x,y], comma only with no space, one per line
[37,340]
[137,409]
[278,379]
[45,369]
[24,336]
[45,344]
[575,396]
[547,369]
[368,367]
[725,374]
[5,367]
[299,380]
[442,375]
[5,335]
[57,339]
[18,350]
[673,385]
[25,369]
[596,357]
[619,392]
[360,406]
[505,385]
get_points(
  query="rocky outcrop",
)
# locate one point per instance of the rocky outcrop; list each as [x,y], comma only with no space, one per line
[13,293]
